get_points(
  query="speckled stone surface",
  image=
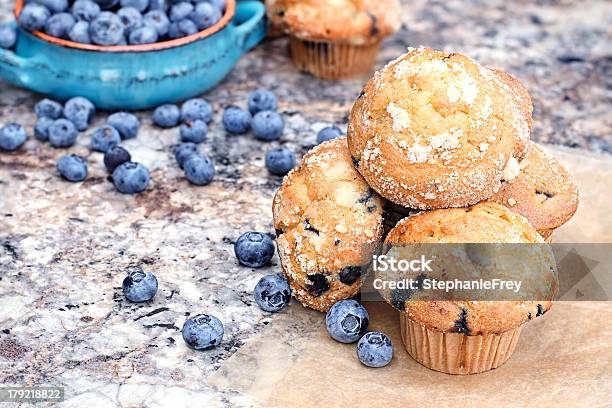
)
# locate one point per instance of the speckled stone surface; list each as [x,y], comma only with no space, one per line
[64,248]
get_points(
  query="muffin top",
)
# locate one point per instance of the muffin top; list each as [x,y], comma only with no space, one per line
[544,192]
[436,130]
[481,223]
[356,22]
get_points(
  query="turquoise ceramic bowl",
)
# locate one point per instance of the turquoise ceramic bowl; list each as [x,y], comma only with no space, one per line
[134,77]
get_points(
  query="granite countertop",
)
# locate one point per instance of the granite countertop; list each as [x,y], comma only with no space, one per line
[64,248]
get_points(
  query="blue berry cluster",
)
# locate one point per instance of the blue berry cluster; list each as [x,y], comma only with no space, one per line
[117,22]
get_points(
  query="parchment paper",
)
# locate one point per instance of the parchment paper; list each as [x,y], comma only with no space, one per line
[562,359]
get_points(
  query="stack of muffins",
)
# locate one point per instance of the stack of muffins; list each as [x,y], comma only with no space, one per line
[444,141]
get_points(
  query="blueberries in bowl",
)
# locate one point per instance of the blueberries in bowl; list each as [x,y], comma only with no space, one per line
[272,293]
[85,10]
[328,133]
[267,126]
[347,321]
[131,178]
[80,33]
[146,34]
[166,116]
[236,120]
[375,349]
[12,137]
[199,170]
[8,36]
[205,15]
[139,286]
[140,5]
[280,161]
[131,19]
[262,100]
[180,11]
[159,20]
[34,16]
[106,29]
[59,25]
[115,157]
[54,6]
[254,249]
[182,28]
[72,167]
[202,332]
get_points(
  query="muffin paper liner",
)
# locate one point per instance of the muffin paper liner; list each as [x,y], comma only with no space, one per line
[329,60]
[457,353]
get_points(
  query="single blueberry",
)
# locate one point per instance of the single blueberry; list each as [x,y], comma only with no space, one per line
[262,100]
[104,137]
[194,131]
[54,6]
[106,29]
[131,178]
[166,116]
[199,170]
[72,167]
[80,33]
[328,133]
[267,126]
[85,10]
[59,25]
[203,332]
[34,16]
[180,11]
[41,129]
[8,36]
[48,109]
[107,4]
[375,349]
[347,321]
[115,157]
[159,20]
[12,137]
[158,5]
[205,15]
[236,120]
[254,249]
[272,293]
[131,19]
[146,34]
[140,5]
[79,111]
[184,151]
[126,124]
[196,108]
[182,28]
[280,161]
[139,286]
[62,133]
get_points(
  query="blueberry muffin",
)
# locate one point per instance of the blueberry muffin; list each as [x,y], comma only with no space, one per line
[544,192]
[466,337]
[436,130]
[335,39]
[328,223]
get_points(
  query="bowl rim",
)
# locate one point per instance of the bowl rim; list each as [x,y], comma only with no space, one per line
[230,11]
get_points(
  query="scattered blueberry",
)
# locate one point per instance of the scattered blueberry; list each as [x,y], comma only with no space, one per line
[139,286]
[182,28]
[41,129]
[236,120]
[59,25]
[126,124]
[140,5]
[262,100]
[131,19]
[196,108]
[199,170]
[107,4]
[267,126]
[34,16]
[166,116]
[347,321]
[131,178]
[375,349]
[79,111]
[104,137]
[8,36]
[272,293]
[115,156]
[180,11]
[85,10]
[184,151]
[194,131]
[54,6]
[280,161]
[106,29]
[80,33]
[72,167]
[159,20]
[203,332]
[48,109]
[147,34]
[254,249]
[62,133]
[12,137]
[328,133]
[205,15]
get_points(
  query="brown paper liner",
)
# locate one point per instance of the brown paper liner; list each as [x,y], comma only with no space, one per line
[329,60]
[457,353]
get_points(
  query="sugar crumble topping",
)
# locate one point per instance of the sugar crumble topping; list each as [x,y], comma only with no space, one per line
[400,116]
